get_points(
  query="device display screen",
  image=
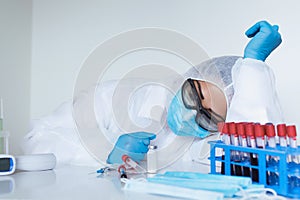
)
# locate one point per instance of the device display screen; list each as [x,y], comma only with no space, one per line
[4,164]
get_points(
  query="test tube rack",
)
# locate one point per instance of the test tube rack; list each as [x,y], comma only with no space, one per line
[283,169]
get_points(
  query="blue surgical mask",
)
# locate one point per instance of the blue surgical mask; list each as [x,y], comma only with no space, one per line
[182,120]
[168,190]
[227,185]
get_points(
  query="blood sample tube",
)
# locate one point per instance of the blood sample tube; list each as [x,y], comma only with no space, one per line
[294,180]
[270,132]
[252,143]
[292,134]
[224,134]
[235,154]
[272,177]
[128,161]
[243,143]
[259,135]
[281,132]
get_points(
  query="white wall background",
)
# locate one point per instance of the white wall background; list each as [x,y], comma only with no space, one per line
[64,32]
[15,56]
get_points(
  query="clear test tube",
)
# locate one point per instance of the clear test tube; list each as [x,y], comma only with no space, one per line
[292,134]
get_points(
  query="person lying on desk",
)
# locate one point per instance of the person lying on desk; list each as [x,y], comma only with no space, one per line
[227,88]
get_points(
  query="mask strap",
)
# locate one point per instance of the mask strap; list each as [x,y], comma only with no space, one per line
[260,193]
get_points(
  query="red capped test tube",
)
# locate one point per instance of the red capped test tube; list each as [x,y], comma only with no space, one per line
[235,154]
[292,134]
[272,177]
[243,142]
[281,132]
[224,133]
[223,129]
[270,132]
[259,135]
[249,127]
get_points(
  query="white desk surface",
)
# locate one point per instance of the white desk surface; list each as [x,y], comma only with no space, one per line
[67,182]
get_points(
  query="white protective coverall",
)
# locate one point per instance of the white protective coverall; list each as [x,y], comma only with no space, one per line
[248,84]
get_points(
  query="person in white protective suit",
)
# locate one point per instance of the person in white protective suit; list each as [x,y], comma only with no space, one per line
[227,88]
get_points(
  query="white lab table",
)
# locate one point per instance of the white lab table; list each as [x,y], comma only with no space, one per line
[67,182]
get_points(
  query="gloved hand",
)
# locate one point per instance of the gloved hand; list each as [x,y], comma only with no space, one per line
[265,38]
[135,145]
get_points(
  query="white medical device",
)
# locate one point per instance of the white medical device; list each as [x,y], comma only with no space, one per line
[34,162]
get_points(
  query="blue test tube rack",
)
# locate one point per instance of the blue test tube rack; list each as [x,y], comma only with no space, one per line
[283,169]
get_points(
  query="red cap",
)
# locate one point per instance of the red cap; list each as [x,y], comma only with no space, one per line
[270,130]
[291,131]
[259,130]
[249,127]
[241,129]
[124,158]
[232,128]
[281,130]
[220,127]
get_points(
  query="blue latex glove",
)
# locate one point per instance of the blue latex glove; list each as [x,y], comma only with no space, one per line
[182,120]
[265,38]
[135,145]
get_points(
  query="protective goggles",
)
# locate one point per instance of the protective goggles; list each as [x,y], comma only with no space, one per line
[192,97]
